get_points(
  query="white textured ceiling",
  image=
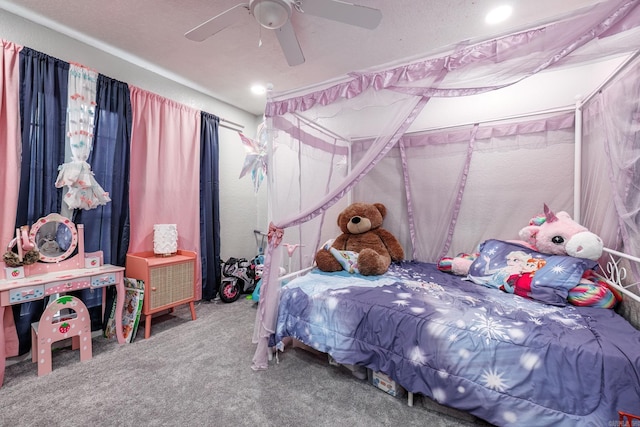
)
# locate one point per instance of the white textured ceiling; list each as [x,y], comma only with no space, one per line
[227,64]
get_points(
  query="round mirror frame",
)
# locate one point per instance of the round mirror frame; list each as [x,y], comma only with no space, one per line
[61,220]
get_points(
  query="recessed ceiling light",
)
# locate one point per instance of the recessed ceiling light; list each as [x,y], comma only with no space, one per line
[258,89]
[498,14]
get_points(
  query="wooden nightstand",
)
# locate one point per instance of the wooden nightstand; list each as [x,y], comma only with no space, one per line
[169,281]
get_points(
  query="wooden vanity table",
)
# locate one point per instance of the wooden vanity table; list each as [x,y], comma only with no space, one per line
[57,272]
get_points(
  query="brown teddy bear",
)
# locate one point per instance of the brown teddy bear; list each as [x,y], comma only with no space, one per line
[362,235]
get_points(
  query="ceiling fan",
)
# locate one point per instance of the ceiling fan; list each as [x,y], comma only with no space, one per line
[276,15]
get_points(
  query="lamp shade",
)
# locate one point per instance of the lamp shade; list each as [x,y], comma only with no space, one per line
[165,239]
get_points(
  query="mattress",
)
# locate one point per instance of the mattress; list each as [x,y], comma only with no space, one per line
[506,359]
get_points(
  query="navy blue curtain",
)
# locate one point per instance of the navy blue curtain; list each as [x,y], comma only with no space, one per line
[209,206]
[43,109]
[106,228]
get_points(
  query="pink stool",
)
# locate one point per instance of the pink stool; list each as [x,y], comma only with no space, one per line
[73,322]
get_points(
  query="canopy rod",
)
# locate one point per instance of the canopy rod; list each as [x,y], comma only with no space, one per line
[322,129]
[577,164]
[499,119]
[483,122]
[613,75]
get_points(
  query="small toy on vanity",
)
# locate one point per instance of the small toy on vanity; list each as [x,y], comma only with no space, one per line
[21,251]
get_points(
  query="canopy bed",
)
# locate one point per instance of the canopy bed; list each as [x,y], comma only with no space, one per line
[464,146]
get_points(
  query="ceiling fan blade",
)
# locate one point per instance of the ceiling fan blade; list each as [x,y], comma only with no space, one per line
[347,13]
[217,23]
[289,44]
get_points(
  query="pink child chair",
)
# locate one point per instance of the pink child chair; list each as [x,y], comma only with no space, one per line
[53,327]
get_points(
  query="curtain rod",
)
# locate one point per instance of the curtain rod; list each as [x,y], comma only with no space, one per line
[222,125]
[231,125]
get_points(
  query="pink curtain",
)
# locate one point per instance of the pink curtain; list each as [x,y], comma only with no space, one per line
[9,177]
[165,172]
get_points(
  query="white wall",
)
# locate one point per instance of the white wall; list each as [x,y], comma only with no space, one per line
[241,210]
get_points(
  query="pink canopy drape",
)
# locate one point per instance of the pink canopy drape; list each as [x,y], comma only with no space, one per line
[9,175]
[164,184]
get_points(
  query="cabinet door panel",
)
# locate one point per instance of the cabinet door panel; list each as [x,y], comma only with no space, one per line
[170,284]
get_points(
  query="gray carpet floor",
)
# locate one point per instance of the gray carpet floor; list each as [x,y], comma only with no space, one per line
[197,373]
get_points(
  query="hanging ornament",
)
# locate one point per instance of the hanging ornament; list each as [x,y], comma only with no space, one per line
[84,192]
[256,160]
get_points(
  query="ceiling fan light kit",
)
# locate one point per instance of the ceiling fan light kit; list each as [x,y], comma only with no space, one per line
[276,15]
[271,14]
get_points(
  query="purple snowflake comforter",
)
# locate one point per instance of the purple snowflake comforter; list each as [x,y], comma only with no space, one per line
[506,359]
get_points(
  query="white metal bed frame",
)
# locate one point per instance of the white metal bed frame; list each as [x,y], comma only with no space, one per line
[617,273]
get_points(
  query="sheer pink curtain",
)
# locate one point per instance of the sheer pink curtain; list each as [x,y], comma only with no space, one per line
[9,176]
[611,129]
[165,172]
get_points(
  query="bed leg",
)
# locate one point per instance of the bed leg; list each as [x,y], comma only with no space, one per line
[410,398]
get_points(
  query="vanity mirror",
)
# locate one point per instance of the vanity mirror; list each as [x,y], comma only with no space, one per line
[55,236]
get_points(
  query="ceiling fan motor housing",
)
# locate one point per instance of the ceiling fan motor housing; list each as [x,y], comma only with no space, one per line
[271,14]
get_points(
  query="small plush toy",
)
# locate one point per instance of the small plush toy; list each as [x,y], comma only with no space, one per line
[364,246]
[594,291]
[550,233]
[26,251]
[459,264]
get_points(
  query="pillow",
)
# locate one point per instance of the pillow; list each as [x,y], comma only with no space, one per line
[520,270]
